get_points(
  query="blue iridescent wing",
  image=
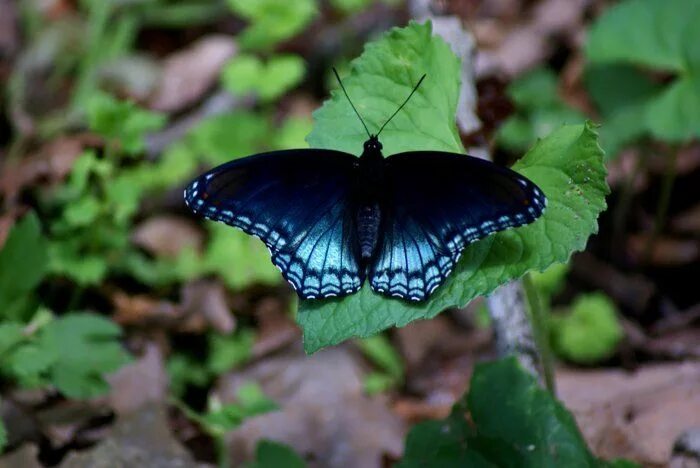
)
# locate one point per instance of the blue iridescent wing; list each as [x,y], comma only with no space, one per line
[297,203]
[436,204]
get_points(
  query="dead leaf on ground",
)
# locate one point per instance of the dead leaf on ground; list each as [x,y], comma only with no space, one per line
[141,439]
[141,382]
[189,73]
[635,415]
[203,304]
[688,221]
[52,163]
[665,251]
[276,329]
[325,414]
[167,235]
[23,457]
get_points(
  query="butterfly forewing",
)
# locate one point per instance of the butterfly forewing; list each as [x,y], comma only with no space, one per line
[436,204]
[297,203]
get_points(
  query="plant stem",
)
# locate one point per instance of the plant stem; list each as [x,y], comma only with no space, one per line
[664,200]
[222,457]
[538,319]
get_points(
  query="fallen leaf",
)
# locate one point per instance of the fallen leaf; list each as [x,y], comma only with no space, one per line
[325,415]
[166,235]
[189,73]
[634,415]
[143,381]
[141,439]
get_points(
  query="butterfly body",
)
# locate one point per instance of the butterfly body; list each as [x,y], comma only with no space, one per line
[332,220]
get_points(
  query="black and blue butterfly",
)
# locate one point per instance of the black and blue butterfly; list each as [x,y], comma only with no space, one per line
[332,220]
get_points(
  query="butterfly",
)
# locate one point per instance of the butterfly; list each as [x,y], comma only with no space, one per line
[332,220]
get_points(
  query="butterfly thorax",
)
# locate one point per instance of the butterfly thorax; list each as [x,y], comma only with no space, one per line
[368,196]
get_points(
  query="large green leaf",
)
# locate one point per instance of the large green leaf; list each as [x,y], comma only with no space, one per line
[567,166]
[661,36]
[514,423]
[23,264]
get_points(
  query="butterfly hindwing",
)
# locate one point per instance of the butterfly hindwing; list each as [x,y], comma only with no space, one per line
[296,202]
[436,204]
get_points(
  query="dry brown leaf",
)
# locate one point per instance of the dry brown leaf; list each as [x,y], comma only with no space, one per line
[139,383]
[167,235]
[325,414]
[635,415]
[189,73]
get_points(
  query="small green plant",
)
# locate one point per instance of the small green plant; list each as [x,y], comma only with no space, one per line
[224,353]
[539,111]
[220,419]
[589,331]
[381,353]
[271,454]
[272,21]
[248,74]
[512,423]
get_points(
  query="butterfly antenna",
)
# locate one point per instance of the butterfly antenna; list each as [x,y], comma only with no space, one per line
[353,106]
[415,88]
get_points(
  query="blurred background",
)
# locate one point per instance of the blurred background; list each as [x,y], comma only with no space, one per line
[130,330]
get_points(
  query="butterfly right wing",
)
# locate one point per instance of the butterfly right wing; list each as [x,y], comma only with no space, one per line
[436,204]
[297,203]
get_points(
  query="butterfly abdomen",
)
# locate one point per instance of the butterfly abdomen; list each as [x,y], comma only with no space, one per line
[368,220]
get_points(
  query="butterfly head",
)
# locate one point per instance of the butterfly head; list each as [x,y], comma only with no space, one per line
[373,144]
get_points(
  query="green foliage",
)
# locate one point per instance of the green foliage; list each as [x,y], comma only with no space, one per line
[224,353]
[567,166]
[229,351]
[659,36]
[121,122]
[237,258]
[513,423]
[220,419]
[72,352]
[272,21]
[248,74]
[354,6]
[23,265]
[589,332]
[551,281]
[271,454]
[620,92]
[539,111]
[379,350]
[224,137]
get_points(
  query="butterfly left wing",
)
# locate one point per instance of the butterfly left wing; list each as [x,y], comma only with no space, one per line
[436,204]
[296,202]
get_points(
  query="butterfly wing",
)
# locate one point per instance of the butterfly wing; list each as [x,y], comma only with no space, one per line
[296,202]
[436,204]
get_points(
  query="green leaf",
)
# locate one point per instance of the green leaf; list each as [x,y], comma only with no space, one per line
[227,352]
[251,402]
[661,36]
[379,81]
[122,121]
[65,258]
[539,111]
[271,454]
[240,260]
[272,21]
[85,347]
[513,423]
[184,370]
[590,332]
[23,265]
[228,136]
[621,94]
[247,74]
[567,166]
[552,280]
